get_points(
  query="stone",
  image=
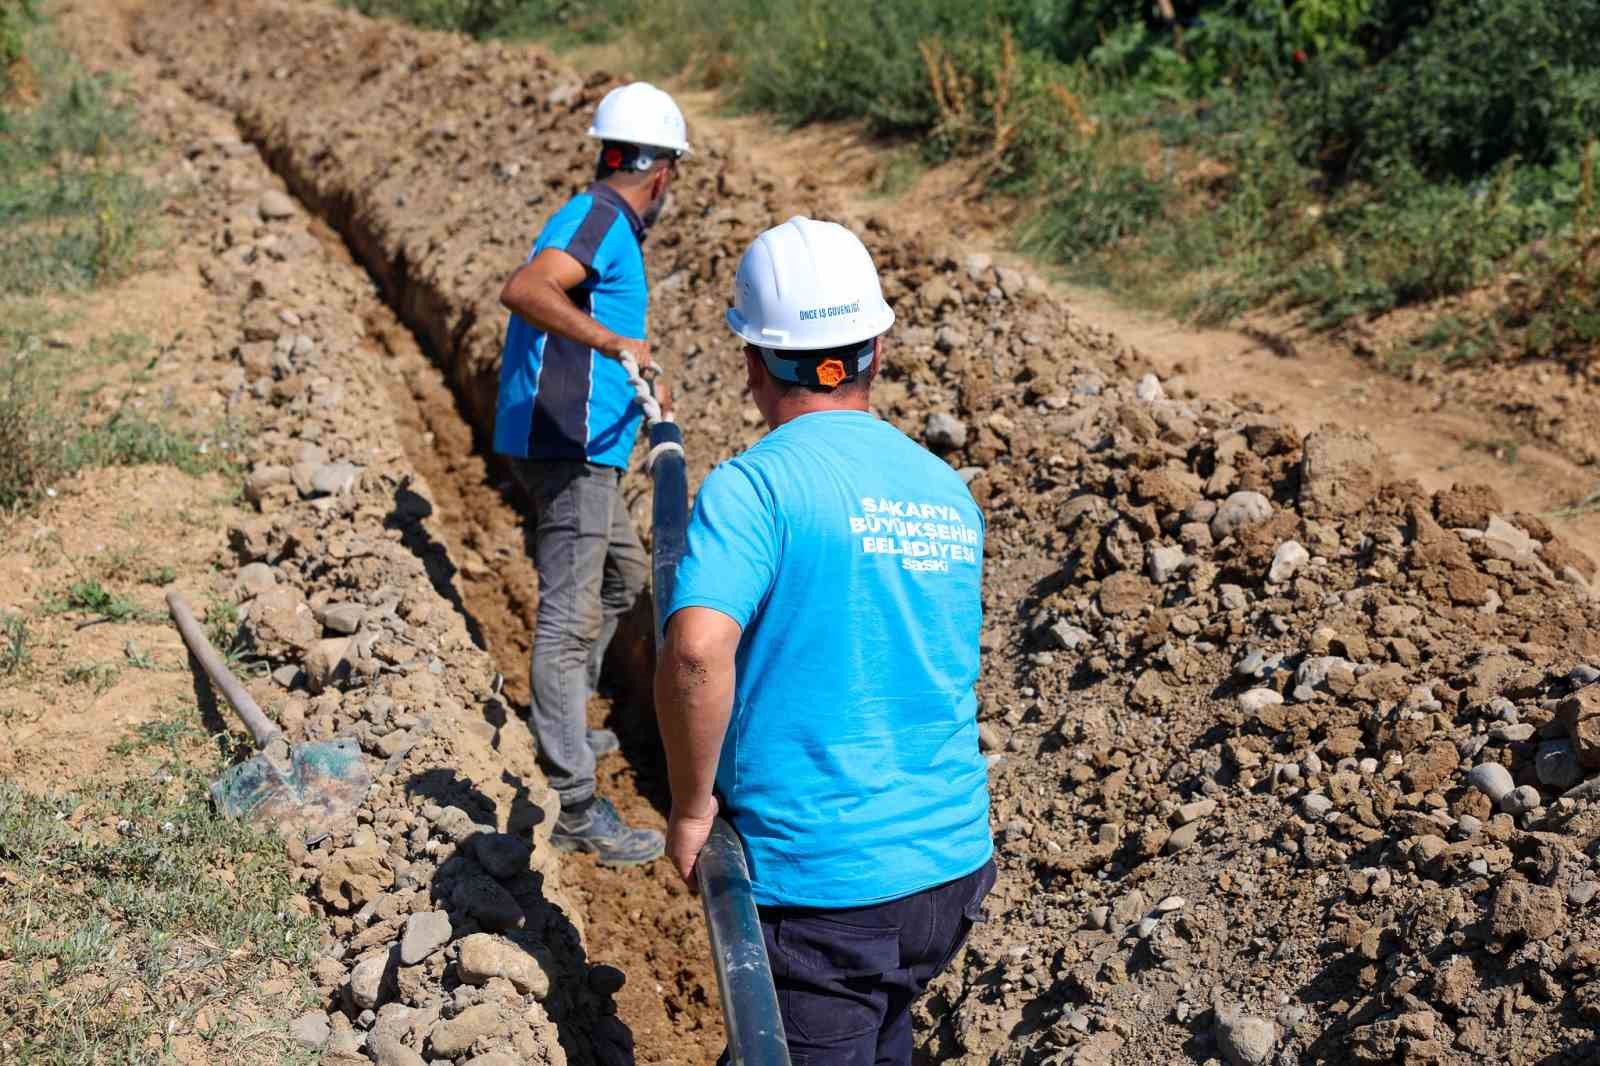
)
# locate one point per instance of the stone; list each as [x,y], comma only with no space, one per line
[275,206]
[369,980]
[426,932]
[1580,713]
[1520,800]
[1492,779]
[254,579]
[1064,636]
[1256,700]
[503,855]
[1165,563]
[328,663]
[1149,389]
[1503,531]
[949,339]
[1581,893]
[484,956]
[1512,734]
[1522,909]
[1340,472]
[387,1050]
[1245,1039]
[1125,592]
[945,432]
[1239,511]
[310,1030]
[989,738]
[1182,838]
[353,877]
[454,1037]
[332,479]
[1196,810]
[344,618]
[1557,765]
[1252,665]
[1315,806]
[282,622]
[1328,673]
[1171,904]
[1287,561]
[456,824]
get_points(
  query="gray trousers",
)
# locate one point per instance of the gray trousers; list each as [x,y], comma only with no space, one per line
[591,570]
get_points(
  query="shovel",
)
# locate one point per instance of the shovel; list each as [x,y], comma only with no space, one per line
[305,788]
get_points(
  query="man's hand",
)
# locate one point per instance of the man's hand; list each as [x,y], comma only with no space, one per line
[686,835]
[664,395]
[616,347]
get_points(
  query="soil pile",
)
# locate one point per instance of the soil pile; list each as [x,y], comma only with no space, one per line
[1292,761]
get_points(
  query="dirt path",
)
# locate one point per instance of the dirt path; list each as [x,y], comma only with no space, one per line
[1427,432]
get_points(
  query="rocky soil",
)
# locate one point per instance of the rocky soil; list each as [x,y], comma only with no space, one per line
[1292,760]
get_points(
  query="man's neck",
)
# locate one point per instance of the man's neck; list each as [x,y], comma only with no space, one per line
[801,402]
[636,195]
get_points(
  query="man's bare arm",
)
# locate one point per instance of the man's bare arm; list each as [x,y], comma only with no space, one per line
[537,292]
[694,700]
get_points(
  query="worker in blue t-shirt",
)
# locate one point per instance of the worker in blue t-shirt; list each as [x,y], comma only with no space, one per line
[817,679]
[567,417]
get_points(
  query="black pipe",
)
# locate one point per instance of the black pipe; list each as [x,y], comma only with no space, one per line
[744,974]
[669,519]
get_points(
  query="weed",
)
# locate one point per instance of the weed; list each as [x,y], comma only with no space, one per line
[161,576]
[14,654]
[98,676]
[222,628]
[171,734]
[138,657]
[116,564]
[91,596]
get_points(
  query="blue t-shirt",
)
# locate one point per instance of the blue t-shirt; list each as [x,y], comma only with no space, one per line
[851,558]
[560,399]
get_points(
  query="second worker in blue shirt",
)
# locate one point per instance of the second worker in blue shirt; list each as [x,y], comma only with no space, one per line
[567,418]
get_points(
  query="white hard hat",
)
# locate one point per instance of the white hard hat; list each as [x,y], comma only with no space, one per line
[640,114]
[807,285]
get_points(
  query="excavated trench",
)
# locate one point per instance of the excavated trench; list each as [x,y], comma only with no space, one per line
[641,920]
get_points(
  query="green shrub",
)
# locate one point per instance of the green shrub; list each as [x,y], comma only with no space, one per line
[1481,82]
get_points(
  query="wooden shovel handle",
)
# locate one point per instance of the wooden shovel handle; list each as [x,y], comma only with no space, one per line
[261,727]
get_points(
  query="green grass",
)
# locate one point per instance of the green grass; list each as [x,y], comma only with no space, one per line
[93,598]
[48,432]
[72,213]
[135,920]
[14,653]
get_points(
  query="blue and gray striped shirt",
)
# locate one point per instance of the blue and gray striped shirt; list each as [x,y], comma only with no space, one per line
[558,398]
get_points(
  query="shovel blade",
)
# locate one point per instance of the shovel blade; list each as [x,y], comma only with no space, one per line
[323,784]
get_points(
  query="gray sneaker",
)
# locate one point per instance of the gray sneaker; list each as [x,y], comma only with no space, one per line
[603,742]
[602,831]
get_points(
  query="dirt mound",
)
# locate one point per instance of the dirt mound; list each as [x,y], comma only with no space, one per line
[1289,757]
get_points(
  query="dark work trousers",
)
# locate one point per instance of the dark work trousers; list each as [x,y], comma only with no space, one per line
[591,570]
[847,978]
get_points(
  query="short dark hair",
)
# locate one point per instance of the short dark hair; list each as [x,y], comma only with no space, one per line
[848,354]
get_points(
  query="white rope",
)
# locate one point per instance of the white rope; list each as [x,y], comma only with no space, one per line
[642,392]
[659,450]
